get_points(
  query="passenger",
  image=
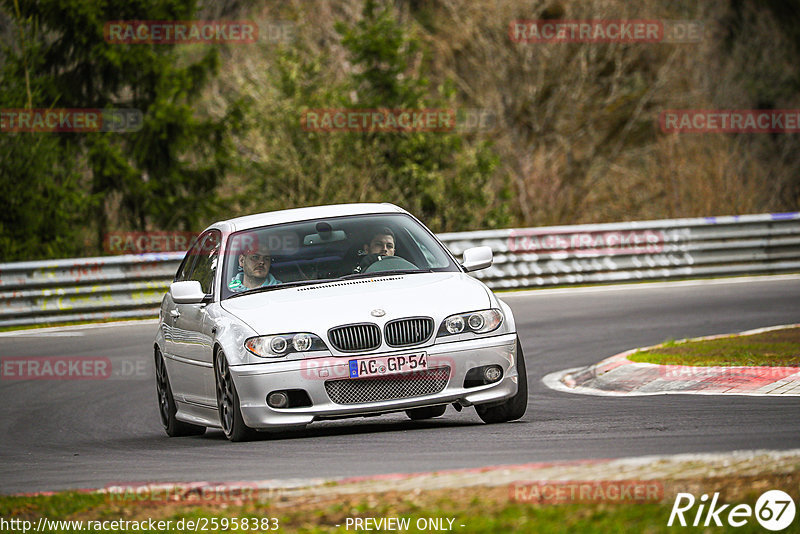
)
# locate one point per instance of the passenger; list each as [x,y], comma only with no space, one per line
[255,273]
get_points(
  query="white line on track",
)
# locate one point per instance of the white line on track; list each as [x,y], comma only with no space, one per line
[74,330]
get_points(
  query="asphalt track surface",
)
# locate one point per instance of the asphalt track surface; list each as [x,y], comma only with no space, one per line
[90,433]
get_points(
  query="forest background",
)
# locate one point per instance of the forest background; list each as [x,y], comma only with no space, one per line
[566,133]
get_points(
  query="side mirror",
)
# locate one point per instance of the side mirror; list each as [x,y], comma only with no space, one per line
[187,292]
[477,258]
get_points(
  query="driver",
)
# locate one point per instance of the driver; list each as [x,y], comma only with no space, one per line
[379,245]
[255,273]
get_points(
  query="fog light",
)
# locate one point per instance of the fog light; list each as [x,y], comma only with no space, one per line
[278,399]
[492,373]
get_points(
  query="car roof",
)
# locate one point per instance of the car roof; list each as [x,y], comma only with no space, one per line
[304,214]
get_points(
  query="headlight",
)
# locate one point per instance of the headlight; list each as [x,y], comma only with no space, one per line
[302,342]
[454,325]
[283,344]
[478,322]
[278,345]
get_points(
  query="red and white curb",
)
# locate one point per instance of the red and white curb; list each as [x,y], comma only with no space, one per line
[618,376]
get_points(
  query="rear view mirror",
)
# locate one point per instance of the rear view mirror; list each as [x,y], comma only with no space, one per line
[324,237]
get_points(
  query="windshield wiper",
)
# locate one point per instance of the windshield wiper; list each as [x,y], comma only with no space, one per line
[385,273]
[284,285]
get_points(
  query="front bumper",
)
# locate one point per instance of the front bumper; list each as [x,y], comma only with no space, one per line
[255,382]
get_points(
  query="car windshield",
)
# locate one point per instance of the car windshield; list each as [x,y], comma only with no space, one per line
[308,252]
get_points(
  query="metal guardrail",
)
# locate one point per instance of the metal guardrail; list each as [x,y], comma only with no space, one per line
[40,292]
[132,286]
[647,250]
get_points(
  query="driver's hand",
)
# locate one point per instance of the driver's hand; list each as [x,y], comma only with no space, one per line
[366,261]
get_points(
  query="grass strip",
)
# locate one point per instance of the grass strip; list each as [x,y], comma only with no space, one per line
[774,348]
[478,509]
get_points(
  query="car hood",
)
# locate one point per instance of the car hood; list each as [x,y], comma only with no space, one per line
[317,308]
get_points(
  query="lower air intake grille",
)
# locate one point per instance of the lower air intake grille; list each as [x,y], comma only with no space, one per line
[404,386]
[355,337]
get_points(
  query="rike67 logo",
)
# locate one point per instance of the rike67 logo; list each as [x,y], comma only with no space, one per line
[774,510]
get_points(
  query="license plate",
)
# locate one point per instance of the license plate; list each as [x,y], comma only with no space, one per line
[388,365]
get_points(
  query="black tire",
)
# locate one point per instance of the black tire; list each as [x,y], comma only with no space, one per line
[166,404]
[513,408]
[230,413]
[428,412]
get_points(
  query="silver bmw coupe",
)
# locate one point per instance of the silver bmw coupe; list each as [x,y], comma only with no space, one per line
[281,319]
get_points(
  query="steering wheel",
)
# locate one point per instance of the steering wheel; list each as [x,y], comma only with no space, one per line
[389,263]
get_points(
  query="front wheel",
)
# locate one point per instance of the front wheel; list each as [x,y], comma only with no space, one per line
[230,413]
[166,404]
[515,407]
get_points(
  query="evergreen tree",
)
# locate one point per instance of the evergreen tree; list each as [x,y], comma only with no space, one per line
[160,177]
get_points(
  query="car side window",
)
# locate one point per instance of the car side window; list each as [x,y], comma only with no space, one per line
[188,261]
[206,265]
